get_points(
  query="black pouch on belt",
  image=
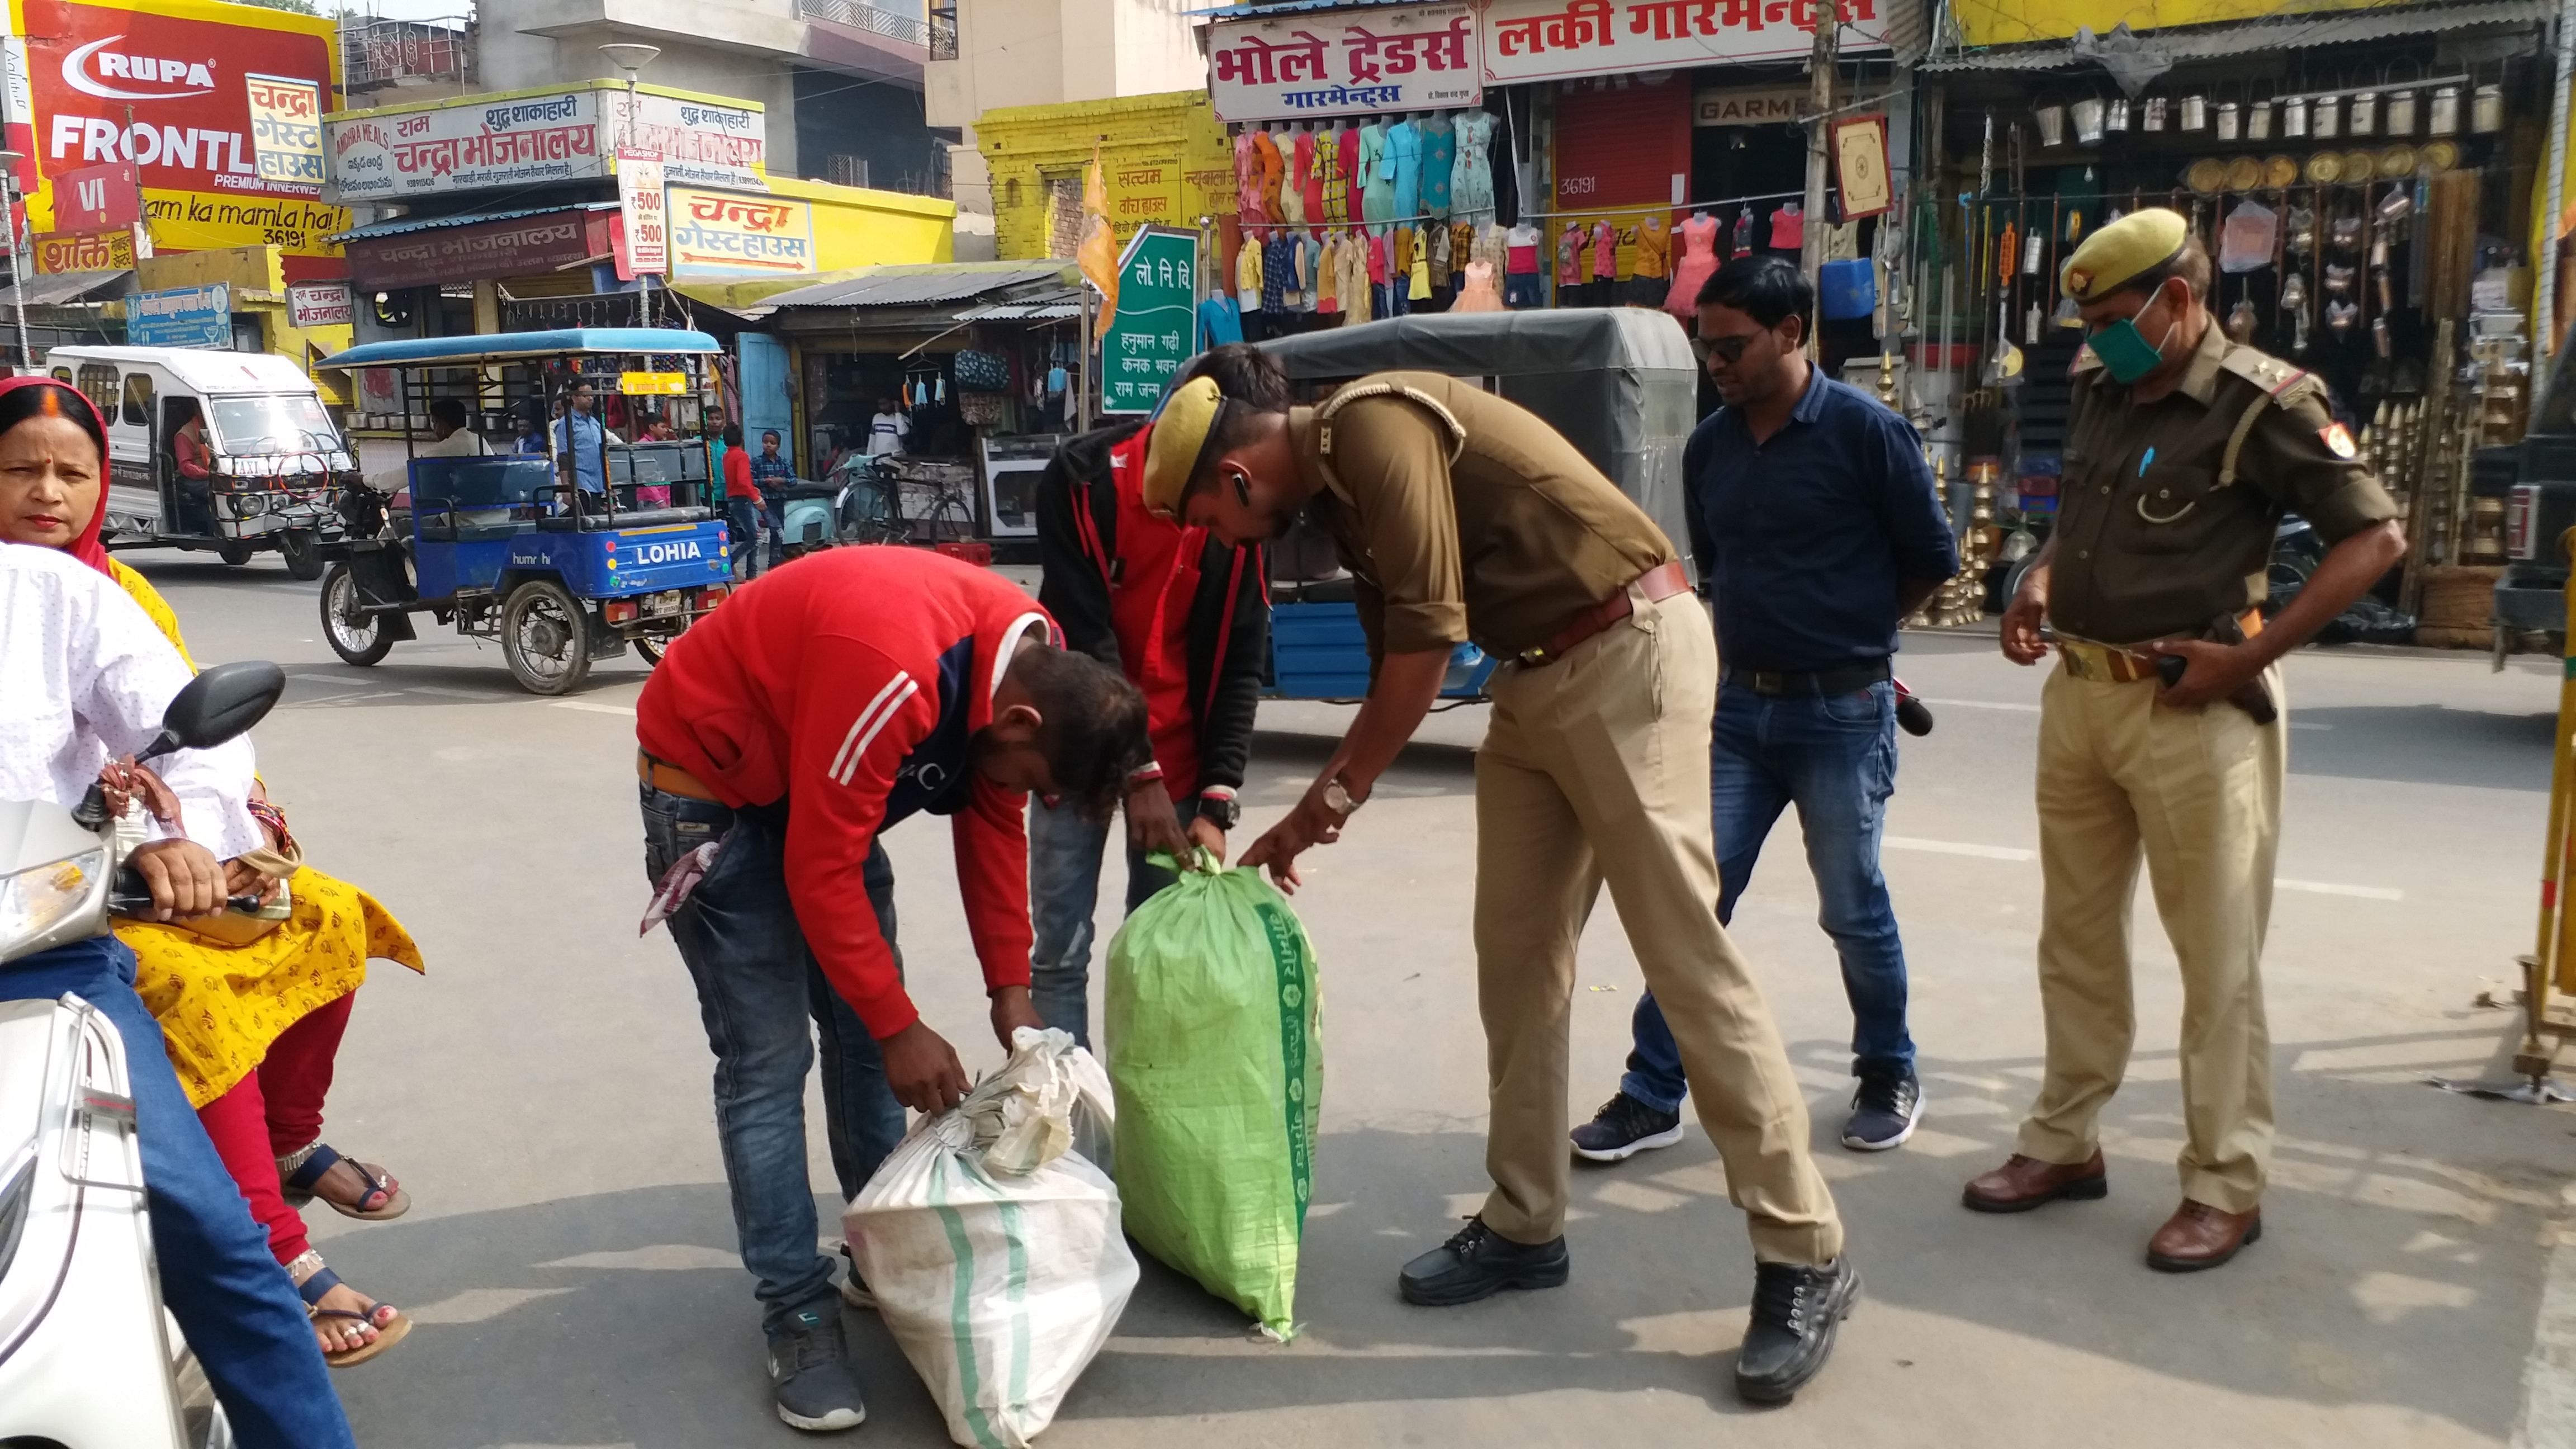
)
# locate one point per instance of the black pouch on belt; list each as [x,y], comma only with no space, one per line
[2253,696]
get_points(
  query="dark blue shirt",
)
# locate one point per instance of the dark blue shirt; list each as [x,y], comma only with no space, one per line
[1803,539]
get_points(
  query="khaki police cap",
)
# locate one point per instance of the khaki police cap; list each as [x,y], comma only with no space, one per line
[2130,247]
[1181,431]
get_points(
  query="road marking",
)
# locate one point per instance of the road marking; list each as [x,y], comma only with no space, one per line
[2016,853]
[2333,888]
[593,708]
[1958,847]
[1982,704]
[452,693]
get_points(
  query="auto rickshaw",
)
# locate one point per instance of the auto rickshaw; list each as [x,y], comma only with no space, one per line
[1618,382]
[502,546]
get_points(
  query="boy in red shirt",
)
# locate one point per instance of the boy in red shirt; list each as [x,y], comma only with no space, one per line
[780,736]
[742,506]
[1186,618]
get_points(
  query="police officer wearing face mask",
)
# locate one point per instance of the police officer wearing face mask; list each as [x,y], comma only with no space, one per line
[2159,730]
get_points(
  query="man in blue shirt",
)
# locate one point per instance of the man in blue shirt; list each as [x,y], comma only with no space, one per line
[581,441]
[1817,528]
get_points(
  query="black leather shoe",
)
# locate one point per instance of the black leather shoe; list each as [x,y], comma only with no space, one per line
[1478,1263]
[1795,1312]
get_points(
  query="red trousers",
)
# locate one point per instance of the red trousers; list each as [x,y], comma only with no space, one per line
[277,1110]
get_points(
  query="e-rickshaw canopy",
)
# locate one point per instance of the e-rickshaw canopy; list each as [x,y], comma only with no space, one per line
[515,346]
[1618,382]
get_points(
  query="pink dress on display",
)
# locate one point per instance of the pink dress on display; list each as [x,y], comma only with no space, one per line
[1247,182]
[1698,264]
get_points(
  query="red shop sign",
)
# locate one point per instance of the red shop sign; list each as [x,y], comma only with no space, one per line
[520,247]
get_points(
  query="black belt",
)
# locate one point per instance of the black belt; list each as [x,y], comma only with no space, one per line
[1850,679]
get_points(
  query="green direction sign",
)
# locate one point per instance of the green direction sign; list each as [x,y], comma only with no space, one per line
[1156,329]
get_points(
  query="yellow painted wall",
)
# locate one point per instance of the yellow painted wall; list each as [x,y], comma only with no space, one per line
[1165,157]
[2009,22]
[860,227]
[258,279]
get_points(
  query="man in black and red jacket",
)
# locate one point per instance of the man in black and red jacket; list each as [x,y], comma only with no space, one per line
[1187,619]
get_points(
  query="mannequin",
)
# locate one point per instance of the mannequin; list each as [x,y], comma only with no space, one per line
[1292,178]
[1524,283]
[1332,178]
[1647,279]
[1310,178]
[1247,182]
[1698,237]
[1471,175]
[1571,264]
[1605,263]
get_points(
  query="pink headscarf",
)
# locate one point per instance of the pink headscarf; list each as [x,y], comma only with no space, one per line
[86,547]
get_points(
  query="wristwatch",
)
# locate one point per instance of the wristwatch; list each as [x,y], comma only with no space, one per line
[1220,811]
[1339,799]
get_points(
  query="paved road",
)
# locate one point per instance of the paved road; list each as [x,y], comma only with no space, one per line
[544,1095]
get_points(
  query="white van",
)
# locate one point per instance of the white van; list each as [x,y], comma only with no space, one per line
[230,451]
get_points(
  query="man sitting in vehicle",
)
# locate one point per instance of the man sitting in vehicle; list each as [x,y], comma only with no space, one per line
[582,441]
[84,678]
[449,436]
[779,738]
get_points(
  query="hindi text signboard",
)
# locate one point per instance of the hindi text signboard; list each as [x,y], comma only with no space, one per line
[320,304]
[181,317]
[1302,65]
[519,247]
[522,138]
[1536,40]
[1156,329]
[98,251]
[730,232]
[643,223]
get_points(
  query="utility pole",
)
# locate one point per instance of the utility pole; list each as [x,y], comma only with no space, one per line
[1820,92]
[18,268]
[631,57]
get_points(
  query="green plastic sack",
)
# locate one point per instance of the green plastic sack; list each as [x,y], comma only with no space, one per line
[1212,1030]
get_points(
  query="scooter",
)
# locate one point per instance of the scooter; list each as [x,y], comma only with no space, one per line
[78,1281]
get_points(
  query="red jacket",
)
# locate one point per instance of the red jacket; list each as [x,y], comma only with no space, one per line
[849,686]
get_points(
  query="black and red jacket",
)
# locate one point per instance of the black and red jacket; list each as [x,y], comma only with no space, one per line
[1180,613]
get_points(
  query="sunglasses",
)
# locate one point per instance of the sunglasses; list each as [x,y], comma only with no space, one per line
[1730,348]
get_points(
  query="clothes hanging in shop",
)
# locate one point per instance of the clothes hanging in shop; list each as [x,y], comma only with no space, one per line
[1439,163]
[1404,154]
[1471,175]
[1377,175]
[1310,178]
[1788,228]
[1418,286]
[1247,274]
[1292,180]
[1219,322]
[1265,152]
[1278,270]
[1332,178]
[1247,182]
[1523,281]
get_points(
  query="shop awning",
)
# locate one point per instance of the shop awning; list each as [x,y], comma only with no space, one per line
[2272,32]
[56,289]
[935,293]
[406,225]
[479,246]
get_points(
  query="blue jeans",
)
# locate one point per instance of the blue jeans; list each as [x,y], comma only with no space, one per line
[776,506]
[1064,891]
[742,524]
[758,986]
[237,1307]
[1834,757]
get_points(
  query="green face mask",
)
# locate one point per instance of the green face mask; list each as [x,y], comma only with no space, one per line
[2125,351]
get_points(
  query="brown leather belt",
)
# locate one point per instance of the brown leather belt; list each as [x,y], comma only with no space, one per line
[670,779]
[2112,664]
[1659,583]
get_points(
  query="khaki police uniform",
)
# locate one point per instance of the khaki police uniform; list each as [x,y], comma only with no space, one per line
[2165,523]
[1463,516]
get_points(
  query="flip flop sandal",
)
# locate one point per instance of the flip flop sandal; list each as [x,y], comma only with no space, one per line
[388,1333]
[301,1173]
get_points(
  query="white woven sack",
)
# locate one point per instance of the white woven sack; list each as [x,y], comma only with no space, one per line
[994,1248]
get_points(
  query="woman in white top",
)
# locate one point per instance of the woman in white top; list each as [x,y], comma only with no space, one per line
[84,678]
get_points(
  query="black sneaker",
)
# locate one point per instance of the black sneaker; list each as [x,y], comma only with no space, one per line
[1477,1263]
[1884,1112]
[1623,1128]
[1795,1312]
[809,1373]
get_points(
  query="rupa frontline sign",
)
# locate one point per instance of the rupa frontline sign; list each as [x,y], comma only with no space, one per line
[216,107]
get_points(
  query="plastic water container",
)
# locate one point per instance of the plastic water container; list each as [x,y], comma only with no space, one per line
[1847,290]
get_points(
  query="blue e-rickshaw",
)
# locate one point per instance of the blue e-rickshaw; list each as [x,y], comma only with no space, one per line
[522,548]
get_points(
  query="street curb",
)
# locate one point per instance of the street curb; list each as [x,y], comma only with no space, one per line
[2549,1375]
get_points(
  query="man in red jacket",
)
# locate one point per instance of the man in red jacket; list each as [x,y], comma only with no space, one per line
[1186,617]
[779,738]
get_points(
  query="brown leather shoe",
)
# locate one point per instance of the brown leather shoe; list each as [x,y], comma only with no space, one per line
[2023,1183]
[2199,1236]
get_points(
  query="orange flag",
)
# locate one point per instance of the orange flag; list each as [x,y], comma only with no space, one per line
[1098,252]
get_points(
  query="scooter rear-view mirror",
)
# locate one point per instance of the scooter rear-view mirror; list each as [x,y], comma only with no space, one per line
[218,705]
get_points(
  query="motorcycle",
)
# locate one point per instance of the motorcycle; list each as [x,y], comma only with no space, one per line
[77,1272]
